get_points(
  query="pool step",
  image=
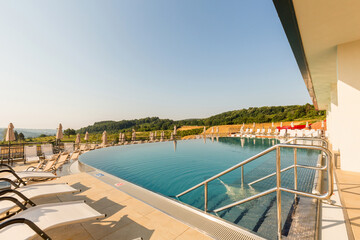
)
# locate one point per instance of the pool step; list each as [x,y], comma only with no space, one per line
[262,220]
[260,215]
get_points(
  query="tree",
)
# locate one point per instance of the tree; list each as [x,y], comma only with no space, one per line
[16,135]
[21,137]
[69,132]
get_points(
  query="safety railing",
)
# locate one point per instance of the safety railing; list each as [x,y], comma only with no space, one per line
[324,143]
[278,189]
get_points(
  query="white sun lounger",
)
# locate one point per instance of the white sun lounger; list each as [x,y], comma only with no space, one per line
[32,191]
[307,133]
[262,131]
[276,132]
[292,133]
[47,150]
[282,133]
[30,175]
[269,131]
[30,153]
[69,147]
[19,176]
[300,133]
[316,134]
[38,219]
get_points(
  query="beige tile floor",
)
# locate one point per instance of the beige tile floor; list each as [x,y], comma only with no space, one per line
[127,218]
[349,186]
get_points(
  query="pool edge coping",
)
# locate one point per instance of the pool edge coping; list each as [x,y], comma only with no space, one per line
[110,179]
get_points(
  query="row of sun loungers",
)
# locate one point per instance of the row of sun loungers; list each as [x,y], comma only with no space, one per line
[31,153]
[283,133]
[21,218]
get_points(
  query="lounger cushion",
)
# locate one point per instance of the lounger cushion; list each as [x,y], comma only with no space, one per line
[34,191]
[32,174]
[48,216]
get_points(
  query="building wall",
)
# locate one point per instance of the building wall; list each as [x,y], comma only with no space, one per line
[344,114]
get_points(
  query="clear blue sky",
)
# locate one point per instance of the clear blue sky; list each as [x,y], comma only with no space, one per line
[77,62]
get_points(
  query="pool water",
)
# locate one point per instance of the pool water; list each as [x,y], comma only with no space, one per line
[170,168]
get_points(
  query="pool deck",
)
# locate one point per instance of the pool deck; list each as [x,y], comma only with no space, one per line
[127,217]
[349,186]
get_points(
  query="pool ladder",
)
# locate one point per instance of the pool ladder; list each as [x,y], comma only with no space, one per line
[320,144]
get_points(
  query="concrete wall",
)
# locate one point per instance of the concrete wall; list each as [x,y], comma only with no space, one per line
[344,115]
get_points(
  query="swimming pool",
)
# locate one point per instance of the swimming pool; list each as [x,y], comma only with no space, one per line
[170,168]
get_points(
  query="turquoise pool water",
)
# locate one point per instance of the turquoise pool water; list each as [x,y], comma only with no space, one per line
[169,168]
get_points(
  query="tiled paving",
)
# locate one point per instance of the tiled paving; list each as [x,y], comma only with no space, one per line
[349,186]
[127,217]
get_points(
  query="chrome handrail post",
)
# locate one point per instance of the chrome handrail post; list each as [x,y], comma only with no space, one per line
[278,191]
[206,196]
[242,176]
[295,171]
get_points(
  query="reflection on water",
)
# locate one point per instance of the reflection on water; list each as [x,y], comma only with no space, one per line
[237,192]
[175,145]
[255,143]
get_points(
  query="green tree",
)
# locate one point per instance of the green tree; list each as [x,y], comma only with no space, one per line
[16,135]
[21,137]
[69,132]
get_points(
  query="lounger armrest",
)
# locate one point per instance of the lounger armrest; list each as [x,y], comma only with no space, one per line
[27,200]
[14,173]
[31,168]
[10,181]
[7,166]
[14,200]
[32,225]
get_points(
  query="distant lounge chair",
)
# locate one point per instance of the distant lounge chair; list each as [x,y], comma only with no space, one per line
[83,147]
[247,131]
[68,147]
[21,175]
[47,151]
[300,133]
[307,133]
[30,153]
[316,134]
[36,220]
[292,133]
[262,131]
[25,193]
[74,156]
[282,133]
[276,132]
[60,162]
[269,131]
[44,165]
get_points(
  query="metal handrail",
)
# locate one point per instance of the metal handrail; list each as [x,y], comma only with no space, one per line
[231,169]
[278,188]
[323,140]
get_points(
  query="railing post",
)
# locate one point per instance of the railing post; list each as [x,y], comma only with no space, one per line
[205,196]
[295,171]
[242,175]
[278,192]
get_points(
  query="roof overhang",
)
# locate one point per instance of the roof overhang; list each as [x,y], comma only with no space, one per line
[314,30]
